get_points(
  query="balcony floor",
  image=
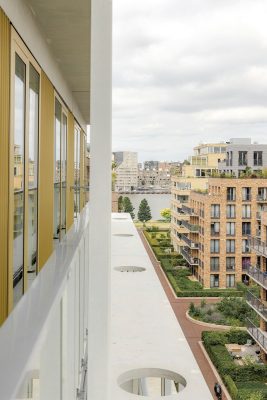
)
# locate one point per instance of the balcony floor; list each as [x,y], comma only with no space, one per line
[145,331]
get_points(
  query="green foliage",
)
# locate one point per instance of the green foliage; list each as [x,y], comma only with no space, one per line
[251,391]
[203,303]
[237,311]
[120,204]
[144,213]
[191,308]
[231,386]
[166,214]
[255,289]
[128,207]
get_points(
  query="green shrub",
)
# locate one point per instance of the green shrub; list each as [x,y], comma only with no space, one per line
[248,390]
[203,303]
[231,386]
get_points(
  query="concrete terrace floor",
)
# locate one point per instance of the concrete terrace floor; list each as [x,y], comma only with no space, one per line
[191,331]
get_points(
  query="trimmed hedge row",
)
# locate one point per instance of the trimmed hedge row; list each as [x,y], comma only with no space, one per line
[241,381]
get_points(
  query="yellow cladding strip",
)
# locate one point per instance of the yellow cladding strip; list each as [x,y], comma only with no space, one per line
[4,161]
[70,171]
[46,172]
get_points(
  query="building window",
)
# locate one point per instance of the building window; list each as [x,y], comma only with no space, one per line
[214,228]
[230,228]
[246,194]
[246,262]
[246,211]
[246,228]
[230,263]
[60,170]
[24,155]
[230,246]
[242,158]
[215,211]
[214,264]
[215,246]
[214,281]
[230,281]
[262,193]
[230,211]
[231,193]
[245,246]
[257,158]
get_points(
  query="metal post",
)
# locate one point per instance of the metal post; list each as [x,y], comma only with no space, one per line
[100,200]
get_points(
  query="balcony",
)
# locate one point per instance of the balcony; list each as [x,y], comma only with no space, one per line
[187,256]
[187,210]
[44,341]
[257,334]
[189,242]
[258,246]
[190,227]
[259,306]
[257,275]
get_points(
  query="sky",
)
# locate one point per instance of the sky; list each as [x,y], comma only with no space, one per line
[187,72]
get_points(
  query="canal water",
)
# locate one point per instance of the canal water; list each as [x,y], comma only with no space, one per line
[156,202]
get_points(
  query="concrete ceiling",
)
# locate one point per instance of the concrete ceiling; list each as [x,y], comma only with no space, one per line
[65,25]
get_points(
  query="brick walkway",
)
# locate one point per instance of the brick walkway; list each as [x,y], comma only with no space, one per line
[191,331]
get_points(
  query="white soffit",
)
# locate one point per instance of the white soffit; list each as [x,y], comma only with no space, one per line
[65,25]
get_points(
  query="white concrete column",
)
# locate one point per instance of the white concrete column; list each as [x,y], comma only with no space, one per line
[100,200]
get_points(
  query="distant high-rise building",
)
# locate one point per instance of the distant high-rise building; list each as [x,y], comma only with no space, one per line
[126,171]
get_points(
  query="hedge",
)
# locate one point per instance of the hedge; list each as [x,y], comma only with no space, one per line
[231,386]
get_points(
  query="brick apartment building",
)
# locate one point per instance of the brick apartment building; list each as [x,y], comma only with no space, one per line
[213,229]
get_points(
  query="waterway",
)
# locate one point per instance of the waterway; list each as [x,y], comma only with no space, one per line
[156,202]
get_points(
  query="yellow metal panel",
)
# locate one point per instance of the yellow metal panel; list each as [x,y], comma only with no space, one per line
[4,161]
[46,172]
[70,171]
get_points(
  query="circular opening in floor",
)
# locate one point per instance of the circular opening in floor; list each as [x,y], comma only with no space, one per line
[129,268]
[123,234]
[152,382]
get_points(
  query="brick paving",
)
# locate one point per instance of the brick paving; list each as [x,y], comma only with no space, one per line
[191,331]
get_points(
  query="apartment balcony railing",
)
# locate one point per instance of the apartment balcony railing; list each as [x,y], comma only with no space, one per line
[258,215]
[189,242]
[257,334]
[190,227]
[258,233]
[258,246]
[262,198]
[259,306]
[43,342]
[191,260]
[187,210]
[257,275]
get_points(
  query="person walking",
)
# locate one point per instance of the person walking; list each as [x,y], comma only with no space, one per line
[218,390]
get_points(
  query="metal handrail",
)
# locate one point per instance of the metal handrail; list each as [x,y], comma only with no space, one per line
[257,334]
[255,273]
[192,228]
[257,304]
[257,245]
[189,259]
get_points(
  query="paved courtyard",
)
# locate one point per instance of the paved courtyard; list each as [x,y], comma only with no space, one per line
[191,331]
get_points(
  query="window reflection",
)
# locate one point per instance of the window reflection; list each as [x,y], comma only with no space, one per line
[77,171]
[33,172]
[63,171]
[19,131]
[57,169]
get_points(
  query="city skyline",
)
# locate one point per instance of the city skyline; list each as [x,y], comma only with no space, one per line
[188,72]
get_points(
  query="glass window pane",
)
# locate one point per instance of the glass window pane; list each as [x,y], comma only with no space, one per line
[63,170]
[33,172]
[19,133]
[57,169]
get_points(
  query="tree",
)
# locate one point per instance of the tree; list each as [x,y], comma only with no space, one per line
[128,207]
[144,213]
[166,214]
[120,204]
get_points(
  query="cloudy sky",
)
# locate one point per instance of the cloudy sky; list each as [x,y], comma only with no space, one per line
[188,71]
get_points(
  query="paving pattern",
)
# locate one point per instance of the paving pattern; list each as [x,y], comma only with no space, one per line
[191,331]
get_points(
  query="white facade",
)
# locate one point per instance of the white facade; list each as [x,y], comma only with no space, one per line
[126,171]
